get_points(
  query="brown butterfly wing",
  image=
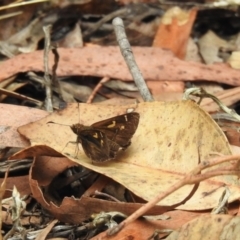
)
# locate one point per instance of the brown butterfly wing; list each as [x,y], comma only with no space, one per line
[119,129]
[94,144]
[102,152]
[104,139]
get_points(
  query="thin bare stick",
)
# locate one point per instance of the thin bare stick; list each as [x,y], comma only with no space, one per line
[99,85]
[129,59]
[105,19]
[55,81]
[213,162]
[47,47]
[101,194]
[193,177]
[12,5]
[20,96]
[8,15]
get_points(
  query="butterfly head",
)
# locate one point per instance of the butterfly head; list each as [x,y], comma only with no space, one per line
[77,128]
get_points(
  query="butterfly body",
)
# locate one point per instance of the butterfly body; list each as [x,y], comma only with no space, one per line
[103,140]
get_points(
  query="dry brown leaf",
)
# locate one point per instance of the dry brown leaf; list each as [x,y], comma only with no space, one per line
[73,38]
[231,130]
[25,40]
[43,234]
[35,220]
[145,228]
[2,191]
[12,117]
[155,64]
[209,227]
[192,53]
[72,209]
[175,24]
[175,220]
[157,88]
[209,45]
[21,182]
[139,229]
[166,145]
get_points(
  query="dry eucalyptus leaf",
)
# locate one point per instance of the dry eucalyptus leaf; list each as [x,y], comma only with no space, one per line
[209,45]
[192,53]
[12,117]
[24,41]
[170,141]
[175,12]
[73,38]
[234,60]
[209,227]
[47,185]
[155,64]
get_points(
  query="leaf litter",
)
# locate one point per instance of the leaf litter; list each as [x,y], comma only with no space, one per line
[177,136]
[166,151]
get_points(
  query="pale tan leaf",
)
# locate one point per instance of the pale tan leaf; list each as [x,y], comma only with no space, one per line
[209,227]
[209,45]
[170,141]
[234,60]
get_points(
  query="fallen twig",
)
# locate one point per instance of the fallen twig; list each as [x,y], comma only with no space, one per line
[193,177]
[47,47]
[130,60]
[95,90]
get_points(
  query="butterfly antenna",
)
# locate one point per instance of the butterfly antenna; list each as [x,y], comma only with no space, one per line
[59,124]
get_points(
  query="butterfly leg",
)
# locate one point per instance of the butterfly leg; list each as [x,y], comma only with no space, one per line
[76,149]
